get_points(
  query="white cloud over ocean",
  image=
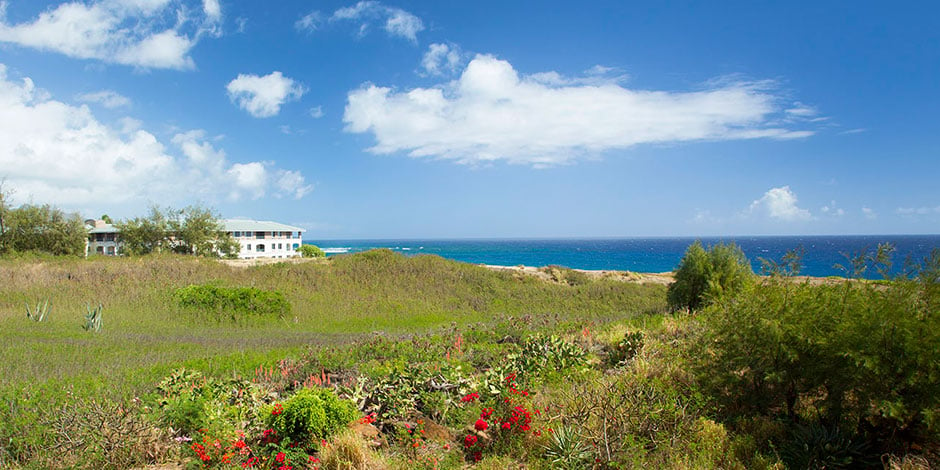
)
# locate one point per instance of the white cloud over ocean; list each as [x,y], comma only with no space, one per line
[56,152]
[491,113]
[157,34]
[780,204]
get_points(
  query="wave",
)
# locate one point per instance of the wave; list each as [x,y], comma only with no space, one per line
[335,250]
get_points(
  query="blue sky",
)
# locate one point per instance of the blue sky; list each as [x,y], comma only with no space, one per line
[480,119]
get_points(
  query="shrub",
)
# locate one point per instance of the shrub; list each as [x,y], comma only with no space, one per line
[311,413]
[231,301]
[540,352]
[626,349]
[703,275]
[348,451]
[566,450]
[310,251]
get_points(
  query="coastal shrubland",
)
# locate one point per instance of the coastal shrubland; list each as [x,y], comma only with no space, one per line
[387,361]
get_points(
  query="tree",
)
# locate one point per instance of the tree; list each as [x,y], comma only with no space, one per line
[107,219]
[144,235]
[5,196]
[44,229]
[703,276]
[310,251]
[194,230]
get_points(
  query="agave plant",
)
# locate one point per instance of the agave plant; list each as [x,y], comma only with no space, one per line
[93,318]
[39,313]
[567,451]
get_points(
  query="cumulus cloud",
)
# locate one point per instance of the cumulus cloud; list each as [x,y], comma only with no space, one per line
[441,59]
[107,98]
[142,33]
[317,112]
[780,204]
[395,21]
[59,153]
[869,213]
[832,209]
[262,96]
[491,112]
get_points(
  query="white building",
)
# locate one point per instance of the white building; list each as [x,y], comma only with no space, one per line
[257,238]
[263,239]
[102,238]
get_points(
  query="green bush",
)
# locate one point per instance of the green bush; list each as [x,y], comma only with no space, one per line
[541,352]
[311,414]
[232,301]
[704,276]
[858,356]
[310,251]
[626,348]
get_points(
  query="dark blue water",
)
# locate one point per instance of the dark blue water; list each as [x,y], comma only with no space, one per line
[646,254]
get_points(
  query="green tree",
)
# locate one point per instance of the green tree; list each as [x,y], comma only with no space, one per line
[144,235]
[703,276]
[107,219]
[310,251]
[44,229]
[5,196]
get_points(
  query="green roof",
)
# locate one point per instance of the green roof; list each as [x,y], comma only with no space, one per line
[245,225]
[108,228]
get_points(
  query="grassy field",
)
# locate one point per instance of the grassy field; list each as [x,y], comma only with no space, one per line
[145,334]
[449,365]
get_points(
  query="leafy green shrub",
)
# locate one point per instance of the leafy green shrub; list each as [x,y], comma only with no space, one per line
[703,275]
[566,275]
[540,352]
[231,301]
[311,413]
[626,348]
[310,251]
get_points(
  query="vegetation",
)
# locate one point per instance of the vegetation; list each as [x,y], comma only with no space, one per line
[310,251]
[385,361]
[232,302]
[705,275]
[193,230]
[41,229]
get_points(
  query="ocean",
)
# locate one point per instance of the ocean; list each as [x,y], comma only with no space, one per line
[822,253]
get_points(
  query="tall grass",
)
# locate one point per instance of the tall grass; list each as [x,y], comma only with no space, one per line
[145,333]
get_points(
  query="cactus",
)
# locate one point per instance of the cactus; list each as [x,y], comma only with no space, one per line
[39,314]
[93,318]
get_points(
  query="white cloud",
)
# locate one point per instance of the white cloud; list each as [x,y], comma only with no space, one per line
[869,213]
[918,210]
[832,209]
[291,183]
[58,153]
[262,96]
[107,98]
[396,22]
[801,110]
[780,204]
[140,33]
[317,112]
[441,59]
[309,22]
[212,9]
[492,113]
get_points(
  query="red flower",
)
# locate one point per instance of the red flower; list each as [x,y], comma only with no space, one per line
[486,413]
[506,425]
[469,441]
[312,459]
[477,456]
[279,458]
[240,444]
[250,463]
[278,409]
[480,425]
[470,397]
[525,427]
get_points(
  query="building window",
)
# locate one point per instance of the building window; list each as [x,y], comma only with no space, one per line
[260,248]
[110,251]
[259,235]
[99,250]
[296,246]
[280,246]
[248,247]
[237,234]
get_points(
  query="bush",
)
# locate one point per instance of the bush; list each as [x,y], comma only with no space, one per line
[540,352]
[310,251]
[626,349]
[704,276]
[232,301]
[311,413]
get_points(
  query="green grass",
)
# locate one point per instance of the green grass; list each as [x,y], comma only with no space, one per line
[145,333]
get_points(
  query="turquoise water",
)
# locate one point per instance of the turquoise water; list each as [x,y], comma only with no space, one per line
[822,253]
